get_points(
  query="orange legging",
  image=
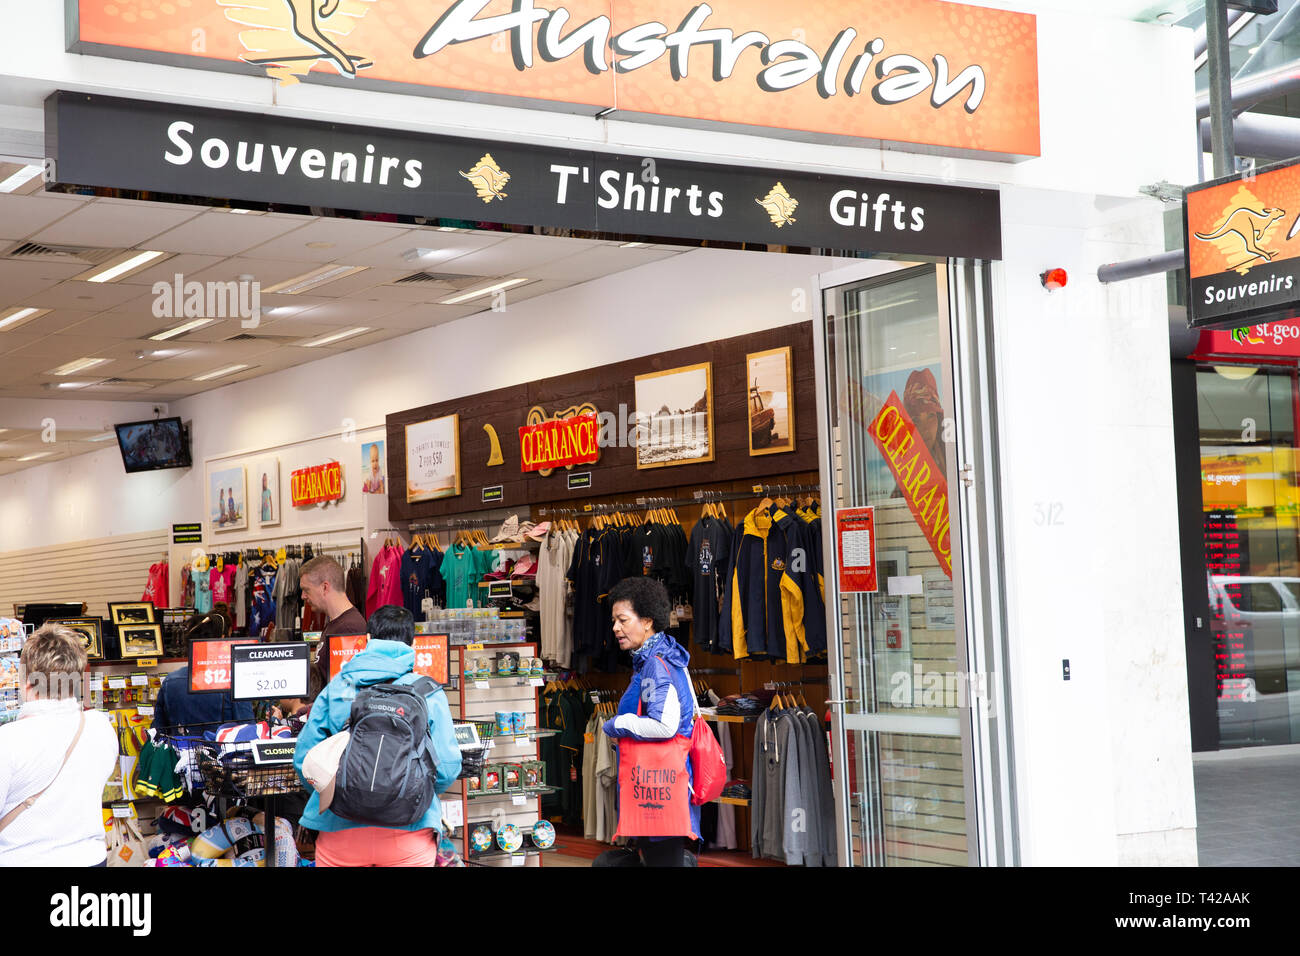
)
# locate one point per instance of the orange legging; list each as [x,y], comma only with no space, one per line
[377,846]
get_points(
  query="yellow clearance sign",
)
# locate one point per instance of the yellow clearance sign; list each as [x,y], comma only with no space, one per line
[926,72]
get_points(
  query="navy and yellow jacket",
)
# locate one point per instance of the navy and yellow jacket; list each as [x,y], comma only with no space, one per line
[802,568]
[767,606]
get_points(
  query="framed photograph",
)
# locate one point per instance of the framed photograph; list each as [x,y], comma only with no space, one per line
[771,401]
[141,640]
[674,415]
[266,479]
[373,463]
[433,459]
[227,510]
[133,612]
[91,630]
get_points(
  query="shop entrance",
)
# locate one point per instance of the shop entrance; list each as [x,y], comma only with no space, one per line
[913,689]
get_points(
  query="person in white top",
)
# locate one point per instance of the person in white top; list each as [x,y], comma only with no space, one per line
[51,789]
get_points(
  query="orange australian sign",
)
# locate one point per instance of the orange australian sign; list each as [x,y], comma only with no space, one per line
[1243,249]
[927,72]
[317,484]
[922,482]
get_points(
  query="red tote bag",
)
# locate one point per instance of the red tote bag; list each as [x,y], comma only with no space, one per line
[654,795]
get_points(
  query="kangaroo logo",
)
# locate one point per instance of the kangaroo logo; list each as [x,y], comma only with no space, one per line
[1248,225]
[287,37]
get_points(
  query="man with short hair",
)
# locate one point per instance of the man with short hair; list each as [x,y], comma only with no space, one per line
[388,658]
[321,580]
[54,761]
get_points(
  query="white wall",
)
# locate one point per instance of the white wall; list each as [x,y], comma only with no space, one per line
[1104,760]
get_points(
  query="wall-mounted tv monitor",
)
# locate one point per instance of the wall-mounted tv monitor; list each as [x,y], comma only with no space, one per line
[151,445]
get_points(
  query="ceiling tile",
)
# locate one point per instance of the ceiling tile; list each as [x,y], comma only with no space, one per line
[343,236]
[601,262]
[20,216]
[427,316]
[349,311]
[21,280]
[358,283]
[85,296]
[114,225]
[223,234]
[266,271]
[448,245]
[516,255]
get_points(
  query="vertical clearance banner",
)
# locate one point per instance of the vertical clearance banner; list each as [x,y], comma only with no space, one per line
[1242,237]
[924,486]
[928,72]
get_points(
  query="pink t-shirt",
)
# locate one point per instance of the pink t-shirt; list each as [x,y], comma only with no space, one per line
[385,580]
[223,584]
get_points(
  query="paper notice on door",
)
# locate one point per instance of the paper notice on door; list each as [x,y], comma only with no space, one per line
[905,584]
[939,609]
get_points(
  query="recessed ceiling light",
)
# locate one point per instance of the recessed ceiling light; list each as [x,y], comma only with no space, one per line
[448,229]
[312,279]
[180,330]
[122,267]
[16,317]
[412,255]
[497,287]
[633,245]
[228,370]
[39,454]
[79,365]
[327,339]
[23,176]
[58,385]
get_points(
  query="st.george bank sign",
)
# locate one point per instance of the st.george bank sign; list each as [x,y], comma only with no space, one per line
[942,75]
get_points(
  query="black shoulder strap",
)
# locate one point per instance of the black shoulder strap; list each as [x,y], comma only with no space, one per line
[424,686]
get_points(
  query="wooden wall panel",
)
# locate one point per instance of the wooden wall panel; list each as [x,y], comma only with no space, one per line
[607,388]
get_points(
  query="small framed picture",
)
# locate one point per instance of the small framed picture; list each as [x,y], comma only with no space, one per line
[266,481]
[674,416]
[91,631]
[134,612]
[771,401]
[141,640]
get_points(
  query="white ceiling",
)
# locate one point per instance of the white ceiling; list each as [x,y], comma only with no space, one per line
[113,320]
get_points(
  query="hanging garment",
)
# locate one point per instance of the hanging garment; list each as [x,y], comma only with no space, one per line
[240,607]
[707,558]
[462,568]
[552,588]
[590,785]
[767,610]
[385,579]
[419,572]
[287,595]
[801,568]
[726,835]
[157,585]
[222,584]
[202,592]
[356,586]
[262,599]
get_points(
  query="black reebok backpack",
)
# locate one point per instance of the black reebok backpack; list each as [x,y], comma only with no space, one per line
[386,775]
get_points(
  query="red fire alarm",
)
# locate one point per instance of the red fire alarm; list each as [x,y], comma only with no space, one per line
[1054,279]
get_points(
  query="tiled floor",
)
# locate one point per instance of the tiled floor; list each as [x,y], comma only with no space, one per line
[1248,807]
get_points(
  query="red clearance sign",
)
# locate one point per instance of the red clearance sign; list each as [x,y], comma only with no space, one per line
[210,664]
[927,72]
[431,658]
[560,443]
[342,648]
[311,486]
[856,549]
[922,481]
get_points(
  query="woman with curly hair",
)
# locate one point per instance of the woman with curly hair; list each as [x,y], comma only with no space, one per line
[657,705]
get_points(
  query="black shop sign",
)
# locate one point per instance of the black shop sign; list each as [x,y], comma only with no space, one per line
[108,142]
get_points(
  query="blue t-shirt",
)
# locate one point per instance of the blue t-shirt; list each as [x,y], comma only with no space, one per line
[419,573]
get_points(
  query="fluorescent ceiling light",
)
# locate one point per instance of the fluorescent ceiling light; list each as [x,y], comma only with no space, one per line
[633,245]
[466,296]
[449,229]
[116,271]
[180,330]
[228,370]
[326,340]
[39,454]
[309,280]
[104,437]
[16,317]
[24,175]
[79,365]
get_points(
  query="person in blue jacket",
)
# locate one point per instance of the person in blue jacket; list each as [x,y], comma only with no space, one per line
[387,658]
[182,713]
[662,686]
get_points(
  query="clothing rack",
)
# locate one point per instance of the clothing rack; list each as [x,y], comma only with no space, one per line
[699,497]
